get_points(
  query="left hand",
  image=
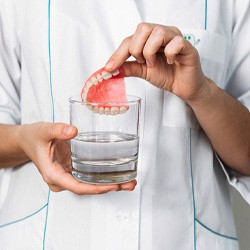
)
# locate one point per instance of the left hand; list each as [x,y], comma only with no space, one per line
[163,57]
[46,144]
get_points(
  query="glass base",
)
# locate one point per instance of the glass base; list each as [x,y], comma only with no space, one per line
[105,171]
[105,178]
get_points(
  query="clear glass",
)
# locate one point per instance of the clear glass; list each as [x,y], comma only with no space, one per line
[106,147]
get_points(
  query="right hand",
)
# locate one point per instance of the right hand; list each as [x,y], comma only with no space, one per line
[163,58]
[46,145]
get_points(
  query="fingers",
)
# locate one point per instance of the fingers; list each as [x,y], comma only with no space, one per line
[130,46]
[158,39]
[146,42]
[59,131]
[91,189]
[129,186]
[138,40]
[119,56]
[60,180]
[178,49]
[65,181]
[56,169]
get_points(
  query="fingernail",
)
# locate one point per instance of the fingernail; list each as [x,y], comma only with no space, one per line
[68,130]
[110,64]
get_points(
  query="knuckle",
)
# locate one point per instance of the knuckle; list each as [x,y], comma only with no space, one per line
[97,191]
[135,52]
[180,39]
[169,52]
[47,179]
[143,27]
[126,40]
[54,189]
[147,53]
[52,129]
[78,192]
[76,189]
[56,130]
[159,30]
[176,30]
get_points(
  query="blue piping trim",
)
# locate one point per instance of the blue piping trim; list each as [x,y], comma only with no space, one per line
[24,218]
[46,221]
[194,205]
[192,185]
[53,109]
[50,63]
[53,119]
[205,19]
[216,233]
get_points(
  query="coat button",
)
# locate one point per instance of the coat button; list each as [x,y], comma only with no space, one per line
[124,217]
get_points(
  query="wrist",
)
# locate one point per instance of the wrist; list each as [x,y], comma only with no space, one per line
[204,96]
[11,151]
[20,140]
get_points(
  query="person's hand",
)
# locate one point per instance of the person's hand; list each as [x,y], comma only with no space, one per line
[163,57]
[46,145]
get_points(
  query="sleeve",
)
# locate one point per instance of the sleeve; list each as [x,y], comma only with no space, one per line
[238,84]
[10,69]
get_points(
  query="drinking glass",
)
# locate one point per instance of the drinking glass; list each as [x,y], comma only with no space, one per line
[106,147]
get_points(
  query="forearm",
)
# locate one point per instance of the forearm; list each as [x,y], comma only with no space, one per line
[226,122]
[11,153]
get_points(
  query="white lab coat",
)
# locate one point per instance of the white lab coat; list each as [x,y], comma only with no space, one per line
[182,201]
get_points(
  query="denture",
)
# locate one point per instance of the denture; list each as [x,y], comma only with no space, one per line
[103,88]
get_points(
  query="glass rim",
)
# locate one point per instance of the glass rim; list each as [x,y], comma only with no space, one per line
[132,99]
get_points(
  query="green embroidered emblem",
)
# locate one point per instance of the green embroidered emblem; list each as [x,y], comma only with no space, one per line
[192,39]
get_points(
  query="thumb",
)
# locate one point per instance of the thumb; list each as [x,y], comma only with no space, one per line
[135,69]
[60,131]
[130,68]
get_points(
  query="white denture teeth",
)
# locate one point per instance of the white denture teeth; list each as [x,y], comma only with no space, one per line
[106,111]
[85,89]
[123,110]
[95,109]
[93,80]
[89,84]
[90,107]
[99,78]
[84,96]
[101,110]
[115,73]
[114,111]
[106,75]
